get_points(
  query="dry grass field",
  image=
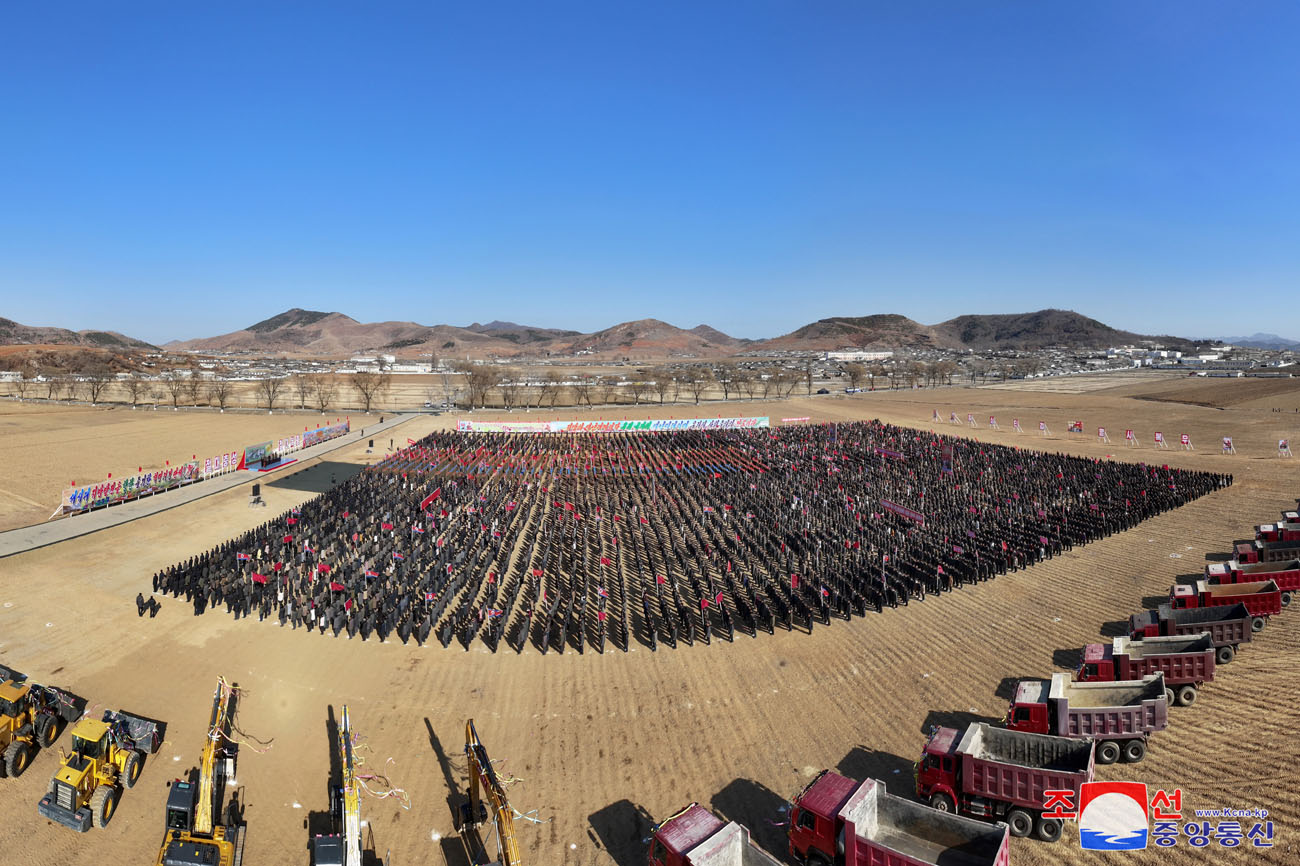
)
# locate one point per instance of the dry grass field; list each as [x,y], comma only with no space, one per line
[602,744]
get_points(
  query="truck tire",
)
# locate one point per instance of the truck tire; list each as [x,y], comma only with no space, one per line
[1286,599]
[131,769]
[943,803]
[16,758]
[1225,654]
[1134,751]
[1169,697]
[103,804]
[1186,696]
[1108,752]
[47,730]
[1048,829]
[1257,624]
[1020,822]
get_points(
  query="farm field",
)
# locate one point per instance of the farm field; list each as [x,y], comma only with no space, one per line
[602,744]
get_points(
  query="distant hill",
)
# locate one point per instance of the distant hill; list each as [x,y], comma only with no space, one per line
[1002,331]
[314,333]
[1263,341]
[14,334]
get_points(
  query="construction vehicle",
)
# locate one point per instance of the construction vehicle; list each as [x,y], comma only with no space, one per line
[192,837]
[997,774]
[835,820]
[1119,716]
[1266,551]
[1281,531]
[1228,626]
[1262,598]
[1186,661]
[31,716]
[343,846]
[1285,574]
[487,804]
[107,756]
[697,837]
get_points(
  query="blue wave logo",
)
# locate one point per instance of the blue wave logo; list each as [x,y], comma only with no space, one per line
[1113,816]
[1095,840]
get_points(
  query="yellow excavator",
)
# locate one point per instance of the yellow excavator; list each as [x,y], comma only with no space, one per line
[342,847]
[193,837]
[487,804]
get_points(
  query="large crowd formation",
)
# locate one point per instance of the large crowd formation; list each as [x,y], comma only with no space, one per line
[579,540]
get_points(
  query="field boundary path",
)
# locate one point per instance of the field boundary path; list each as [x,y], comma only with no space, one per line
[27,538]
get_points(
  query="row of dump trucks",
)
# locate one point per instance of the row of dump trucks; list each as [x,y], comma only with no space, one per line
[1056,731]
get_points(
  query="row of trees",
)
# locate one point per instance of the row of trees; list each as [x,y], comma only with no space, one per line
[661,383]
[318,392]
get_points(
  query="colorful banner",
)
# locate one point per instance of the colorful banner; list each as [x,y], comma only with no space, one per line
[220,464]
[648,426]
[806,419]
[257,453]
[132,487]
[322,434]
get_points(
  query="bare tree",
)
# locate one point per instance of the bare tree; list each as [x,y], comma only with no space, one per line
[855,372]
[582,390]
[697,381]
[302,384]
[638,388]
[662,383]
[512,385]
[270,388]
[220,391]
[808,374]
[53,386]
[728,376]
[96,380]
[22,385]
[323,392]
[194,387]
[551,387]
[135,387]
[369,385]
[745,382]
[174,386]
[605,388]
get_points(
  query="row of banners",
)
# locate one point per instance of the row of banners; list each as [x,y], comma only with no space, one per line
[649,426]
[115,490]
[1130,438]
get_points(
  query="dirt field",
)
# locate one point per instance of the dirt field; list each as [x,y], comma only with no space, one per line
[603,744]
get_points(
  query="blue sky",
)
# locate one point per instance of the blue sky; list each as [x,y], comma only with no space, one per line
[174,170]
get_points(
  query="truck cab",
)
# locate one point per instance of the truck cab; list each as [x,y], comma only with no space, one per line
[1098,664]
[1246,552]
[816,831]
[1184,597]
[673,839]
[937,781]
[1029,710]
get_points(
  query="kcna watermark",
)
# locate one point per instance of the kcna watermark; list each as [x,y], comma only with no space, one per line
[1118,816]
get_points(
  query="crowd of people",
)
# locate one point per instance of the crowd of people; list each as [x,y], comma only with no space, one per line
[576,541]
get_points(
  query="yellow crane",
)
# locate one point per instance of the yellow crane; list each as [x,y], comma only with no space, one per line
[193,838]
[487,803]
[342,848]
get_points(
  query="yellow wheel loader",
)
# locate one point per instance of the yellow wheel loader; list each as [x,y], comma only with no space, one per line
[31,716]
[107,756]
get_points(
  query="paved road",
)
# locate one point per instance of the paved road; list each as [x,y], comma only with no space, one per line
[31,537]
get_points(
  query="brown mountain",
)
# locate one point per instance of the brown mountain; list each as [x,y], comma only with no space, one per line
[647,338]
[520,334]
[884,331]
[716,337]
[1037,330]
[14,334]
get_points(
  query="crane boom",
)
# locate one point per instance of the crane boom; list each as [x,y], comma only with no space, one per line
[482,776]
[207,765]
[351,795]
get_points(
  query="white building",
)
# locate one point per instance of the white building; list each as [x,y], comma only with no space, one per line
[858,355]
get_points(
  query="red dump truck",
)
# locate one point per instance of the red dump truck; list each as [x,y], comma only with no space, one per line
[994,773]
[1282,531]
[1119,716]
[1262,598]
[1228,626]
[697,837]
[1266,551]
[1285,574]
[1186,661]
[835,820]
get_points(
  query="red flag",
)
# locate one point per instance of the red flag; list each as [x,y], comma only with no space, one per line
[794,581]
[291,521]
[424,503]
[288,538]
[385,526]
[259,578]
[600,615]
[704,604]
[277,566]
[537,572]
[347,605]
[659,578]
[604,560]
[336,587]
[323,568]
[717,599]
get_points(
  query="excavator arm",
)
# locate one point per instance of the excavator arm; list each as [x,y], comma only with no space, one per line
[217,726]
[486,790]
[351,795]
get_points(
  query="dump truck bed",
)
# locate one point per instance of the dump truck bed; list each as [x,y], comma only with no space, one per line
[892,831]
[730,846]
[1106,695]
[1227,625]
[1017,767]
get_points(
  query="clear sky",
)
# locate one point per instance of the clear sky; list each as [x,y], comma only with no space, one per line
[183,169]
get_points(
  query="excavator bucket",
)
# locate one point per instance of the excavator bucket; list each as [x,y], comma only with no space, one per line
[135,732]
